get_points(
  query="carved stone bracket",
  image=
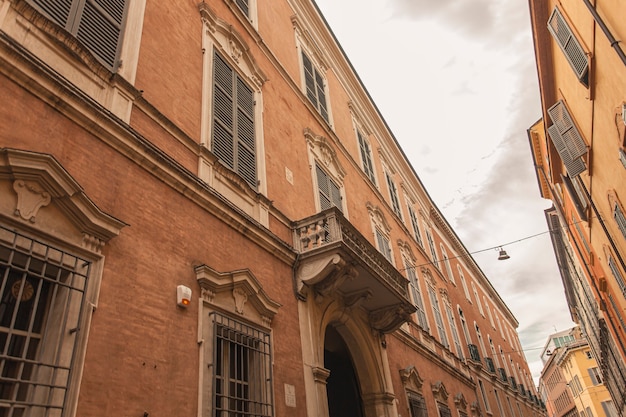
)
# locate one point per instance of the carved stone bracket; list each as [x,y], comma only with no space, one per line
[320,375]
[388,319]
[356,298]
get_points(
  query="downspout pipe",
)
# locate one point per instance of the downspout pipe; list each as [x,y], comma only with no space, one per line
[607,32]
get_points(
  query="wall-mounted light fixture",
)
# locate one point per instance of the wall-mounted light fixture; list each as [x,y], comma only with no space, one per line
[183,296]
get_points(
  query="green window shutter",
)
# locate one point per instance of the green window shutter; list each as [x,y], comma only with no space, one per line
[568,43]
[233,139]
[97,24]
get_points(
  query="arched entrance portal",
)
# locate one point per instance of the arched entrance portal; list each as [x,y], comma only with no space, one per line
[342,386]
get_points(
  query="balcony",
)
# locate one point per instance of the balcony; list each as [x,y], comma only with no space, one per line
[513,383]
[336,260]
[522,390]
[474,355]
[502,374]
[491,368]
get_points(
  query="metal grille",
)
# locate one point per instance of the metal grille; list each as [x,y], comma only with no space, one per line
[242,377]
[417,405]
[41,302]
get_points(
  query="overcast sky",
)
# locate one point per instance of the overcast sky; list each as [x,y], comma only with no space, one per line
[457,84]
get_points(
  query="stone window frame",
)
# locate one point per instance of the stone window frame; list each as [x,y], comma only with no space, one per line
[237,295]
[380,228]
[40,195]
[220,37]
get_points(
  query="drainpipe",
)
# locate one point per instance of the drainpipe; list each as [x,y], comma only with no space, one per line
[607,32]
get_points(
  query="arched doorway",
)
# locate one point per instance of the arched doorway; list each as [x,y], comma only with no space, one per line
[342,386]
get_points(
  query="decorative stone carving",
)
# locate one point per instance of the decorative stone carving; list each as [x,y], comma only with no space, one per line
[439,391]
[335,280]
[30,198]
[411,378]
[320,375]
[324,152]
[240,297]
[460,401]
[475,409]
[355,299]
[389,318]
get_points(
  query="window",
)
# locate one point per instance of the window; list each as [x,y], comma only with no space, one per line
[446,262]
[383,245]
[241,369]
[617,274]
[244,6]
[588,354]
[233,121]
[366,157]
[417,295]
[596,375]
[609,408]
[416,229]
[570,46]
[329,192]
[493,324]
[454,329]
[437,313]
[444,410]
[98,25]
[619,217]
[567,139]
[483,394]
[480,306]
[393,195]
[417,405]
[314,84]
[463,282]
[42,293]
[431,245]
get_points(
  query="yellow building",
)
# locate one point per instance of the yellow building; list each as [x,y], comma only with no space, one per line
[571,382]
[578,150]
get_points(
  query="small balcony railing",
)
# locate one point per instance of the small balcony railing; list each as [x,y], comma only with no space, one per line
[512,383]
[474,355]
[491,368]
[336,260]
[502,374]
[522,390]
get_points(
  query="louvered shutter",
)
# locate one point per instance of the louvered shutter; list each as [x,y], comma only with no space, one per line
[314,86]
[244,6]
[567,140]
[97,24]
[329,192]
[619,217]
[383,245]
[223,121]
[366,156]
[233,122]
[568,43]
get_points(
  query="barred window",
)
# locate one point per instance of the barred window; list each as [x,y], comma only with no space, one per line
[41,298]
[417,405]
[242,378]
[444,410]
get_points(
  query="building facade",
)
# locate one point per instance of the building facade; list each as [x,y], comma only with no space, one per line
[578,151]
[571,383]
[203,213]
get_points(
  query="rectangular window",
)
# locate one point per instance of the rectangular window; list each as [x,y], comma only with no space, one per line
[455,331]
[596,375]
[244,6]
[431,245]
[483,394]
[417,405]
[444,410]
[233,121]
[570,46]
[437,313]
[416,229]
[366,156]
[609,408]
[619,217]
[383,245]
[417,296]
[329,192]
[315,87]
[42,293]
[618,275]
[393,195]
[96,24]
[242,378]
[567,139]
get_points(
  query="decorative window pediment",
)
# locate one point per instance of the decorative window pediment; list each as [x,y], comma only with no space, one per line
[45,194]
[323,152]
[378,218]
[460,401]
[406,251]
[439,391]
[231,44]
[411,378]
[236,292]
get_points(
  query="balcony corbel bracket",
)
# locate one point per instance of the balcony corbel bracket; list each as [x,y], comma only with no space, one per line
[388,319]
